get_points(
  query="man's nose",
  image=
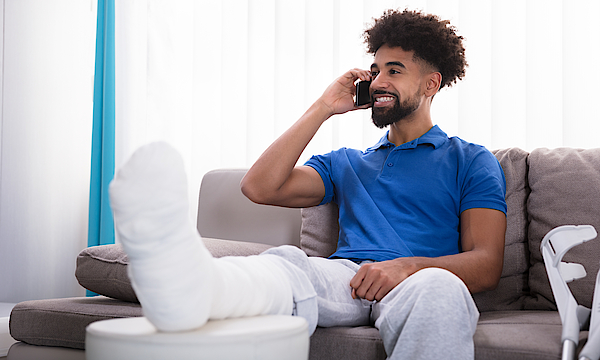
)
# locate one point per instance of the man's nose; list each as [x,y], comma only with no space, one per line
[378,83]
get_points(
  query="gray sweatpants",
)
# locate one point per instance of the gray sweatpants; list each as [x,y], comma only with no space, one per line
[430,315]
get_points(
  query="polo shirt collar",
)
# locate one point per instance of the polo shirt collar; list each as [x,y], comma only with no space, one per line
[435,137]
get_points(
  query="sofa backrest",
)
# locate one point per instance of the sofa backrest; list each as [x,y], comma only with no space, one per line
[565,190]
[225,213]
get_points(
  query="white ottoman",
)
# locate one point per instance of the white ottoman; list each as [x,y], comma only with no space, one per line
[261,337]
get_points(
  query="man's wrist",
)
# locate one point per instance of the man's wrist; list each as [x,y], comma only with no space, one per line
[324,109]
[412,264]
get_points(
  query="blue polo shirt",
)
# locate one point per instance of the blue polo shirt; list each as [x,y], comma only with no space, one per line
[406,200]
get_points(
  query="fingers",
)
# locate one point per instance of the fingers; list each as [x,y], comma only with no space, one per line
[358,277]
[371,283]
[357,283]
[359,74]
[353,75]
[376,291]
[363,285]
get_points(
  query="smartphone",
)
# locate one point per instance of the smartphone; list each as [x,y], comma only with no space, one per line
[363,96]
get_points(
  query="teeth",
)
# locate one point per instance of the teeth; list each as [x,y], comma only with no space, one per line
[385,98]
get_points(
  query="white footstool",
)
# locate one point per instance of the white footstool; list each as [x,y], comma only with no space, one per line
[260,337]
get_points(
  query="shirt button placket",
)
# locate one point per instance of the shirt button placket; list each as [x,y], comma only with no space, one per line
[389,163]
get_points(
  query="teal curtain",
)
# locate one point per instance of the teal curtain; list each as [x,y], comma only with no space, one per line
[101,225]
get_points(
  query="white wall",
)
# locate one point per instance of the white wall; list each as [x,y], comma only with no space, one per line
[46,118]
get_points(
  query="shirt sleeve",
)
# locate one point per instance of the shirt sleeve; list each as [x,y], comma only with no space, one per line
[322,163]
[484,185]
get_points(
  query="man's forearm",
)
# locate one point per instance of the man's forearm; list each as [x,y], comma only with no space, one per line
[274,178]
[373,281]
[479,270]
[479,265]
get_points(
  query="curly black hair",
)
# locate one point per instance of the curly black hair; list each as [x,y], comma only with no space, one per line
[433,40]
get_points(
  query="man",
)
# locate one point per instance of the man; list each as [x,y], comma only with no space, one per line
[422,216]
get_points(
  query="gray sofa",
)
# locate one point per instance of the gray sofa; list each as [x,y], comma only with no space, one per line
[545,189]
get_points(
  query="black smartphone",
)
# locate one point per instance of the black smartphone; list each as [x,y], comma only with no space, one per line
[363,96]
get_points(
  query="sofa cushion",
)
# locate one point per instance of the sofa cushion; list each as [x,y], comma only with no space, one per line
[512,288]
[342,342]
[565,185]
[62,322]
[320,230]
[103,269]
[524,335]
[319,234]
[500,335]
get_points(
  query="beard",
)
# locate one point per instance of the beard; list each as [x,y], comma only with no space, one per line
[383,117]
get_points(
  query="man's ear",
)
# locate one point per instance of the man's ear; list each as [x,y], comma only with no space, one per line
[433,83]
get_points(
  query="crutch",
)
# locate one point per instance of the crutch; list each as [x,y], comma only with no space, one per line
[591,350]
[554,246]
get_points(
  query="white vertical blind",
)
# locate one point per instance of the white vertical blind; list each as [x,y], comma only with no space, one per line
[221,80]
[509,74]
[580,59]
[47,84]
[544,57]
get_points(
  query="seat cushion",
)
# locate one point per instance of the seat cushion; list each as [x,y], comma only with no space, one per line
[62,322]
[500,335]
[526,335]
[340,342]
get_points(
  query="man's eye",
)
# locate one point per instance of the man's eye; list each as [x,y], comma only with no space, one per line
[374,74]
[394,72]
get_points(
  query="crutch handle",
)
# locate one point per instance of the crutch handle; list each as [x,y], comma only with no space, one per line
[554,246]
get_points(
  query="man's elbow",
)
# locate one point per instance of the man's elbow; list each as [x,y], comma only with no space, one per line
[256,192]
[252,192]
[490,284]
[490,280]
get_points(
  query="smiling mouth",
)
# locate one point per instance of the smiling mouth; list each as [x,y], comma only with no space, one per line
[383,100]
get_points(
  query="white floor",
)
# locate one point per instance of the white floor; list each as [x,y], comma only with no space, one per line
[5,339]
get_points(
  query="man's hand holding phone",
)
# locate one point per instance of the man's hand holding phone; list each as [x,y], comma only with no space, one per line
[340,95]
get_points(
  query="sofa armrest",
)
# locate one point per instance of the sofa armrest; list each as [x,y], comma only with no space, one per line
[225,213]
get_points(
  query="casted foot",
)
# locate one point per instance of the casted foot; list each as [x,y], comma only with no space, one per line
[170,269]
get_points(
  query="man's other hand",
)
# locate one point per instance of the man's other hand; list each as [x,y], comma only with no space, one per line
[373,281]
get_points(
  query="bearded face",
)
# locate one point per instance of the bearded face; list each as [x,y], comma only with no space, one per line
[387,109]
